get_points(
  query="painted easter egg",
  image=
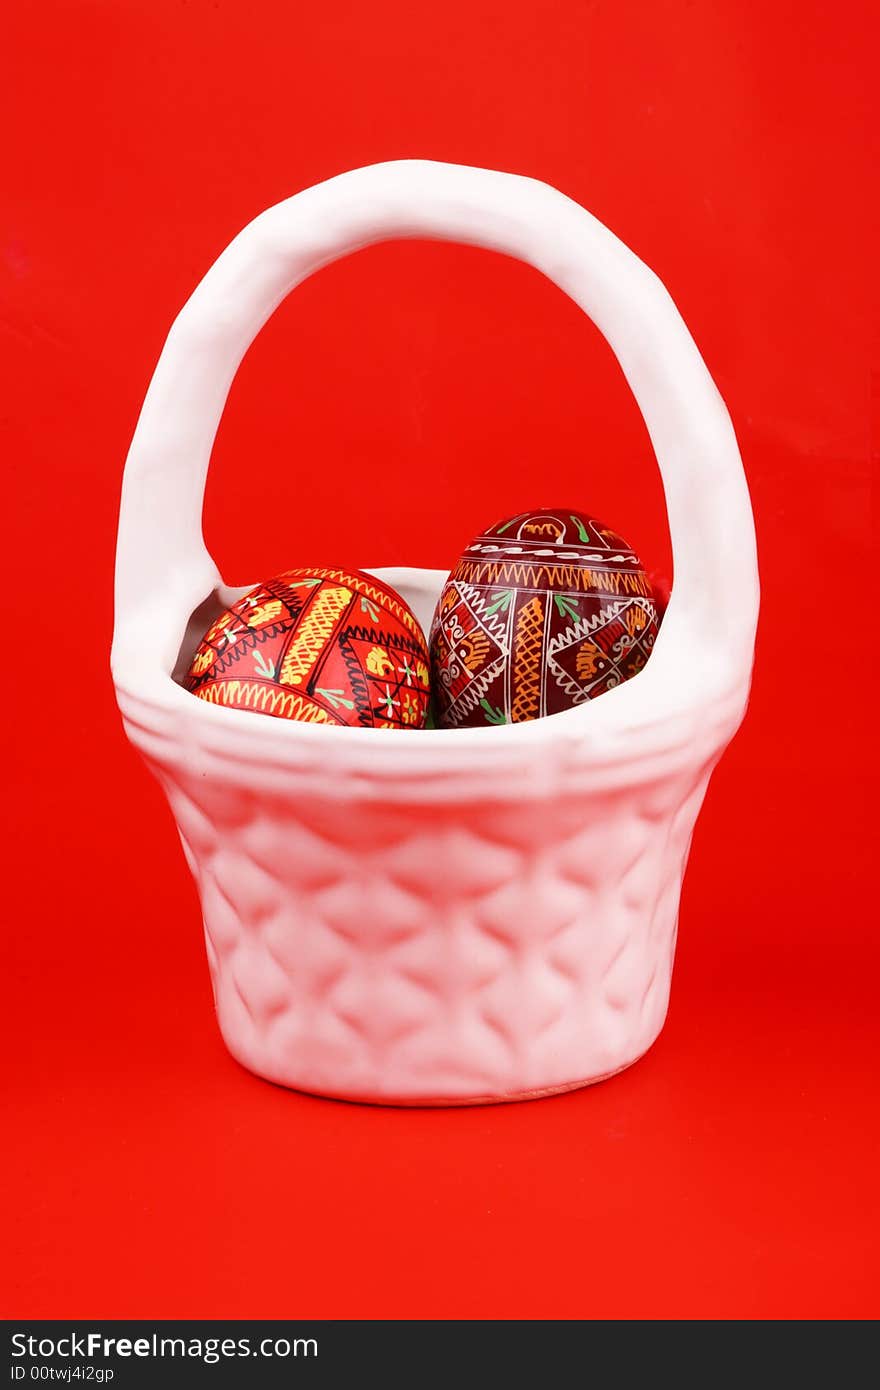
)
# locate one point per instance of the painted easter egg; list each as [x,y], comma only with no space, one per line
[542,612]
[325,646]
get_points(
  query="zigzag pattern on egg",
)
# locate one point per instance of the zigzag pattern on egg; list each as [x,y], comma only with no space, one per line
[298,647]
[543,611]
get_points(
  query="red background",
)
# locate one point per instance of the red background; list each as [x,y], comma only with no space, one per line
[733,1171]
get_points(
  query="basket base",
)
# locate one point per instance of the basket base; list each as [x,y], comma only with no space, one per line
[449,1102]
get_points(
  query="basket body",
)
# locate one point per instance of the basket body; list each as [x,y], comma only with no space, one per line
[436,917]
[421,939]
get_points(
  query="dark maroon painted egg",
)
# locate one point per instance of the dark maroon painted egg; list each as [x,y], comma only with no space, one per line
[542,612]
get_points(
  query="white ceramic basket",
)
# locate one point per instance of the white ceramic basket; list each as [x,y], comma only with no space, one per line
[437,916]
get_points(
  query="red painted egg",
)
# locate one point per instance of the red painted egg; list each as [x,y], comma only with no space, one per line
[542,612]
[320,645]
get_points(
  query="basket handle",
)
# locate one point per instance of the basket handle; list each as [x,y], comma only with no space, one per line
[162,564]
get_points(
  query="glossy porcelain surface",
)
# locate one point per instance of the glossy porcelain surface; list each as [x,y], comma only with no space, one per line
[433,915]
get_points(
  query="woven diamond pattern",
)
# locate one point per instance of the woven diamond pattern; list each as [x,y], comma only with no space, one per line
[412,954]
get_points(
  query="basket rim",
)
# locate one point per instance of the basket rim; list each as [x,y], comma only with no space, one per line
[606,733]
